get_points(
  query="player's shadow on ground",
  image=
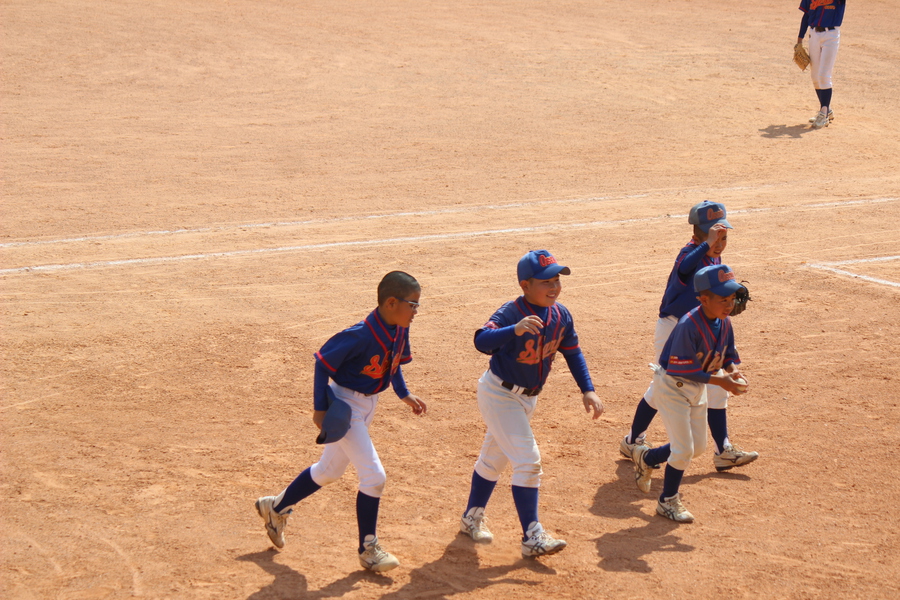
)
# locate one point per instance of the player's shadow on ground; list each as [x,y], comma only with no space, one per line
[785,131]
[459,571]
[291,585]
[624,550]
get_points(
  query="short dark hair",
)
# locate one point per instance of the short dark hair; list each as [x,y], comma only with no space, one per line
[700,234]
[396,284]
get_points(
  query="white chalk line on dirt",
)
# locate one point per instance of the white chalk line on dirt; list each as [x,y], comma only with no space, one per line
[404,240]
[135,574]
[423,213]
[831,267]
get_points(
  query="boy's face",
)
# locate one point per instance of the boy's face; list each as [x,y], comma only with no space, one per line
[715,306]
[401,311]
[541,292]
[717,239]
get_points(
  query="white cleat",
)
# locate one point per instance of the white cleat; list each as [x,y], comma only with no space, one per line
[374,558]
[540,542]
[275,522]
[474,525]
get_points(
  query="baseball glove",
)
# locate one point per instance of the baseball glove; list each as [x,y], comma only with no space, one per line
[741,298]
[801,56]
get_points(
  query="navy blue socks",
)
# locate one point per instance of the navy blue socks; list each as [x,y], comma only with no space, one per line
[643,416]
[366,516]
[656,456]
[526,500]
[672,482]
[480,492]
[824,97]
[299,489]
[717,419]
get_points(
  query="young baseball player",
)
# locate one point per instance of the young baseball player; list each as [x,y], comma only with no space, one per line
[361,362]
[705,249]
[522,338]
[823,18]
[698,355]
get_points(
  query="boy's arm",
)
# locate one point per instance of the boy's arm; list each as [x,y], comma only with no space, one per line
[399,385]
[579,370]
[320,398]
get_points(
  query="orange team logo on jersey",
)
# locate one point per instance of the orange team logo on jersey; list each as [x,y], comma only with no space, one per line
[376,369]
[828,4]
[531,356]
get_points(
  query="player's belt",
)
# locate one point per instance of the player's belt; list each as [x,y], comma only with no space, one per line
[518,389]
[821,29]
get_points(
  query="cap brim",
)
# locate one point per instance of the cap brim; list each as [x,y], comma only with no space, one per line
[727,288]
[708,226]
[552,271]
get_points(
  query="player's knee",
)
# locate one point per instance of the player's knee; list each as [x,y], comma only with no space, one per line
[527,475]
[488,470]
[372,484]
[699,447]
[322,475]
[680,459]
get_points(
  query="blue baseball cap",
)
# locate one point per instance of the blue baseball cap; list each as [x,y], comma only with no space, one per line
[337,419]
[706,214]
[540,264]
[719,279]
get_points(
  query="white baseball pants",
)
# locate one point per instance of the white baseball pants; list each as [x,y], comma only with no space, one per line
[823,49]
[509,438]
[682,406]
[356,447]
[717,397]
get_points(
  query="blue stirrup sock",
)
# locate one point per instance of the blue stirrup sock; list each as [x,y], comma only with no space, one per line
[717,418]
[671,482]
[656,456]
[480,492]
[526,501]
[299,489]
[643,416]
[366,516]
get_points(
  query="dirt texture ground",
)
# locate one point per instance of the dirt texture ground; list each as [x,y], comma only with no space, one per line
[197,195]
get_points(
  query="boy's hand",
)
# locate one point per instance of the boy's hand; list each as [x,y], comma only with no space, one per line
[728,383]
[319,417]
[415,403]
[592,401]
[715,232]
[530,324]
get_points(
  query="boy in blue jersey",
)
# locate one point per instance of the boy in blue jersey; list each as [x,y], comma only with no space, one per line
[698,355]
[522,338]
[361,362]
[705,249]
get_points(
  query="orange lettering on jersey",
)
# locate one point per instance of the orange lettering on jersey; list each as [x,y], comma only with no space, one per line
[376,369]
[529,356]
[817,3]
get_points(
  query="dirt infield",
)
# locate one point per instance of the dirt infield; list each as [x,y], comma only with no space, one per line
[196,195]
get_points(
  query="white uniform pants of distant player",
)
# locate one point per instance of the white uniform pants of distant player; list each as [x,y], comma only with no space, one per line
[509,439]
[717,397]
[823,49]
[682,406]
[356,447]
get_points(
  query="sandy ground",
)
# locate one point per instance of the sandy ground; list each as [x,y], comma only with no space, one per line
[196,195]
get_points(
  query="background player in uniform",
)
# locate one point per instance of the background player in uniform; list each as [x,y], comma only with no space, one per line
[361,362]
[705,249]
[700,351]
[522,338]
[823,18]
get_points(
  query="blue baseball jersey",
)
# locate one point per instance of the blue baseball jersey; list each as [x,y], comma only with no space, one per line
[364,357]
[525,360]
[823,13]
[694,342]
[680,296]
